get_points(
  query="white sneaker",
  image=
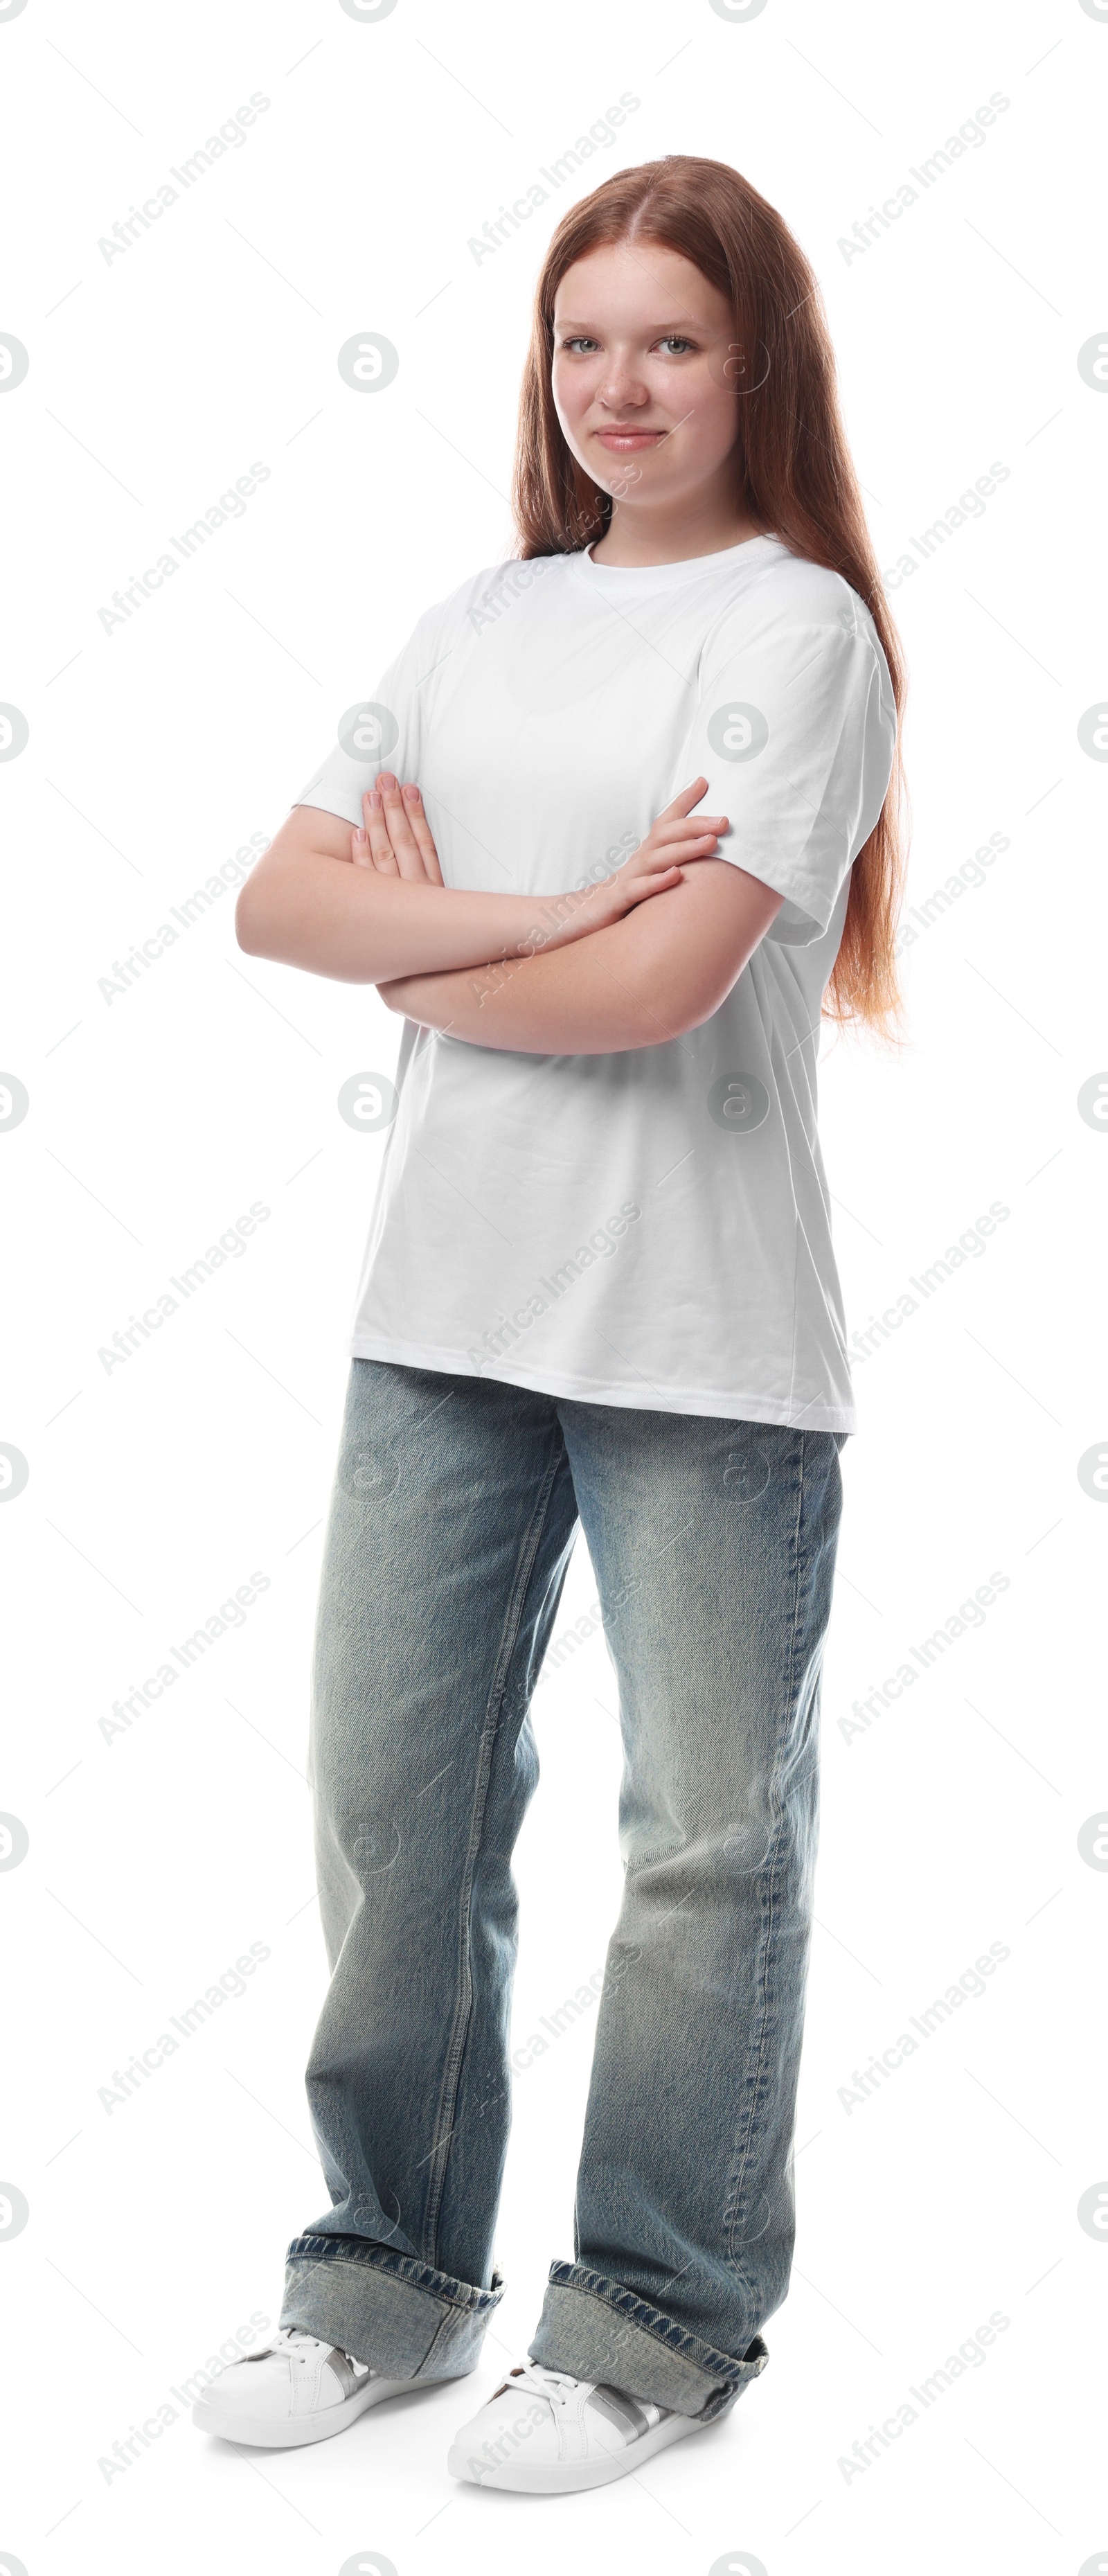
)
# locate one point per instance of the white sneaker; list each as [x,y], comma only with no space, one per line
[296,2389]
[544,2433]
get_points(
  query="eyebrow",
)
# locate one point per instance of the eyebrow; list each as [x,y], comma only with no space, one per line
[687,324]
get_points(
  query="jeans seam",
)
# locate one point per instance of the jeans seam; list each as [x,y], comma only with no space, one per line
[673,2338]
[766,1932]
[456,2048]
[328,2253]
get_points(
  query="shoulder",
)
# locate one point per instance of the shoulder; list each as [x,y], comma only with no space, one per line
[791,592]
[802,617]
[484,595]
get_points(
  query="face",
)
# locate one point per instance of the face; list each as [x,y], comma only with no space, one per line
[644,369]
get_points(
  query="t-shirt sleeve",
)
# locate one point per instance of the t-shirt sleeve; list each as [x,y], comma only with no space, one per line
[795,732]
[381,732]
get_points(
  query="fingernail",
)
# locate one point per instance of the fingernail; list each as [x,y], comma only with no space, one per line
[359,835]
[374,801]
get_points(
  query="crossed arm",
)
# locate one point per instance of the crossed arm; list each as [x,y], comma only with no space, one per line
[637,960]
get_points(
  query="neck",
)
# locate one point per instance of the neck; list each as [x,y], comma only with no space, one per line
[639,536]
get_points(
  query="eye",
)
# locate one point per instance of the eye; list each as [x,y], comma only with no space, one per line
[581,341]
[674,341]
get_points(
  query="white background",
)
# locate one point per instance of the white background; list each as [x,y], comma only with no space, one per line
[156,749]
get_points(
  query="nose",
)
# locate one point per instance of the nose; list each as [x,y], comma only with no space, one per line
[622,389]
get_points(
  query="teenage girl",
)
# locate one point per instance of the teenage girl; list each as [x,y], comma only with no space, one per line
[648,837]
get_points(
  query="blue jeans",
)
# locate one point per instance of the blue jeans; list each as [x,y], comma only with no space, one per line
[713,1542]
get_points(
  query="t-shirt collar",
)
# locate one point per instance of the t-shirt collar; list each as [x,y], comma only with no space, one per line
[667,576]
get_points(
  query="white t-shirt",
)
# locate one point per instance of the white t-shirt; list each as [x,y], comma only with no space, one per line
[647,1228]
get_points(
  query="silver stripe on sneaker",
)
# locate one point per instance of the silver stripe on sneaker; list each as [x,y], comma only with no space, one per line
[624,2412]
[350,2375]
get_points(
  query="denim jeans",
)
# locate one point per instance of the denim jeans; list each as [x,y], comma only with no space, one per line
[454,1513]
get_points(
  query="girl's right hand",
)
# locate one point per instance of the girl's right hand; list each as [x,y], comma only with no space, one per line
[672,843]
[659,863]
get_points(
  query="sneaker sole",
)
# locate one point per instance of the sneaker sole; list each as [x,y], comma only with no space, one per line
[568,2477]
[297,2429]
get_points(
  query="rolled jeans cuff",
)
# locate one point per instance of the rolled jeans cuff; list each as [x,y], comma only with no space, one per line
[595,2330]
[407,2320]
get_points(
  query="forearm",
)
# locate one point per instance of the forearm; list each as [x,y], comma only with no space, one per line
[303,907]
[640,982]
[584,1000]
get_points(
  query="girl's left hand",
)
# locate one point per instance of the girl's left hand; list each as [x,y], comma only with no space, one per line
[395,837]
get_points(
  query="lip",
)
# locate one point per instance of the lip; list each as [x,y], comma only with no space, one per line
[622,441]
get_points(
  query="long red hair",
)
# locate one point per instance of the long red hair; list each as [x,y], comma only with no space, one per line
[793,468]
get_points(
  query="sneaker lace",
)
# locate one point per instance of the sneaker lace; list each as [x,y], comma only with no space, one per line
[298,2341]
[557,2385]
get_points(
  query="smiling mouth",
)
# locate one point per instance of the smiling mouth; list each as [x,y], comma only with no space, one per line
[629,437]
